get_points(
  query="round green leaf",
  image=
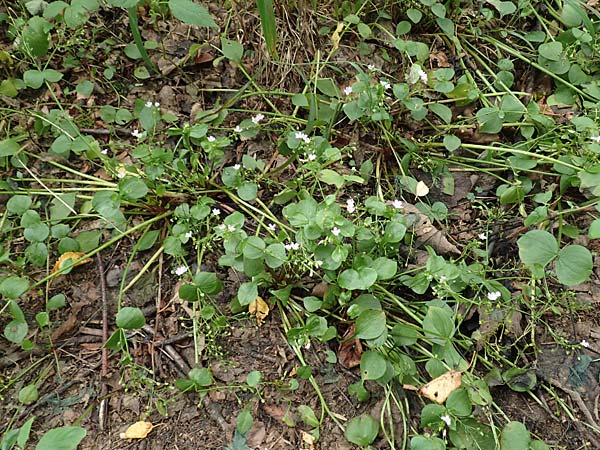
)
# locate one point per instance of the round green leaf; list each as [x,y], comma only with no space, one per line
[253,378]
[28,394]
[385,268]
[244,422]
[208,282]
[247,293]
[551,50]
[574,265]
[308,416]
[451,142]
[63,438]
[248,191]
[438,325]
[362,430]
[427,443]
[130,318]
[190,12]
[15,331]
[202,377]
[372,365]
[13,287]
[133,188]
[514,436]
[537,247]
[275,255]
[370,324]
[18,204]
[253,248]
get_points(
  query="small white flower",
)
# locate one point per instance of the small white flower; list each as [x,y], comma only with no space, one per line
[257,118]
[385,84]
[494,295]
[222,227]
[397,204]
[336,231]
[238,129]
[180,270]
[595,139]
[585,344]
[148,104]
[443,278]
[216,211]
[482,236]
[350,206]
[423,75]
[371,67]
[104,152]
[446,418]
[231,228]
[318,263]
[348,90]
[211,139]
[188,234]
[272,226]
[312,156]
[137,133]
[156,104]
[292,246]
[237,166]
[303,136]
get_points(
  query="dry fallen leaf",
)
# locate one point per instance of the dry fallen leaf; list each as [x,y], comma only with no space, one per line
[335,37]
[67,258]
[308,439]
[426,233]
[260,309]
[421,190]
[350,350]
[138,430]
[439,388]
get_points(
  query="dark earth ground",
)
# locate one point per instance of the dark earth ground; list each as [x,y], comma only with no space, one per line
[163,351]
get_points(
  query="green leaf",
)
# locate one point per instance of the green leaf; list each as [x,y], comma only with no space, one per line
[329,176]
[370,324]
[63,438]
[267,21]
[13,287]
[15,331]
[459,403]
[248,191]
[56,302]
[208,282]
[574,265]
[594,231]
[123,3]
[537,248]
[247,293]
[427,443]
[133,188]
[362,430]
[130,318]
[363,278]
[442,111]
[36,37]
[372,365]
[385,268]
[275,255]
[438,325]
[451,142]
[189,12]
[514,436]
[232,50]
[9,147]
[253,378]
[307,415]
[18,204]
[551,50]
[519,379]
[24,431]
[253,247]
[28,394]
[244,422]
[202,377]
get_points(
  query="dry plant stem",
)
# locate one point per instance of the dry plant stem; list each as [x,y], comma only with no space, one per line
[102,410]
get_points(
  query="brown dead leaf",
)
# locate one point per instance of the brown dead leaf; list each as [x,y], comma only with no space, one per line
[308,439]
[260,309]
[280,413]
[439,388]
[350,350]
[427,234]
[138,430]
[68,258]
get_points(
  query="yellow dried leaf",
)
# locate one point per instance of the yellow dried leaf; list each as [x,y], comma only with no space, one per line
[260,309]
[138,430]
[67,258]
[440,388]
[421,190]
[335,37]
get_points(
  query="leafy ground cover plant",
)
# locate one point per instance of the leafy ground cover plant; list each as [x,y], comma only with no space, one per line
[418,215]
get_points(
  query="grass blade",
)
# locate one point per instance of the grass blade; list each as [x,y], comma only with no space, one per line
[267,20]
